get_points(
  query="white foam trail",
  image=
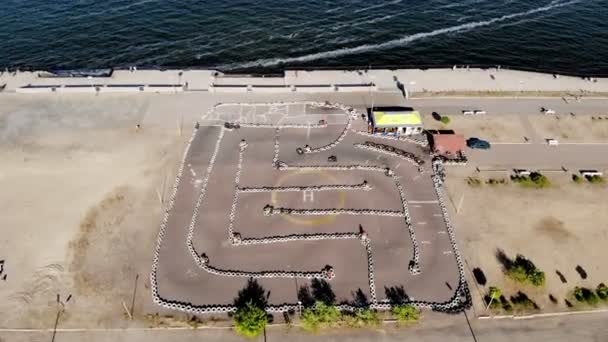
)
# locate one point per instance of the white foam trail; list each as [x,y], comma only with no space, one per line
[394,2]
[396,42]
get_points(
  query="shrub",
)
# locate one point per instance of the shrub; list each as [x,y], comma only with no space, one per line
[474,181]
[524,271]
[595,179]
[585,295]
[405,313]
[250,320]
[602,291]
[445,120]
[522,302]
[320,315]
[361,318]
[577,179]
[534,180]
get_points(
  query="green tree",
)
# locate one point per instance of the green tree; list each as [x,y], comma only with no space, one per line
[494,294]
[445,120]
[250,320]
[405,313]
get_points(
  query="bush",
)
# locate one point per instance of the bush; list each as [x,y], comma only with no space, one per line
[474,181]
[535,180]
[602,291]
[595,179]
[250,320]
[320,315]
[445,120]
[361,318]
[405,313]
[493,181]
[522,302]
[585,295]
[524,271]
[577,179]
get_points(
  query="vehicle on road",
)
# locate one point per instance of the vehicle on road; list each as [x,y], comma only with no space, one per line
[552,142]
[591,173]
[479,112]
[477,143]
[547,111]
[468,112]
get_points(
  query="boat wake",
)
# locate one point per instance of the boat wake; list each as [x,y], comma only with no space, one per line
[396,42]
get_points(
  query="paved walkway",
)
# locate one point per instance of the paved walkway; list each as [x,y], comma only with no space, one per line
[579,328]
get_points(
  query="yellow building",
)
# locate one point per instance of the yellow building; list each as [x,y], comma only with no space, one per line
[394,121]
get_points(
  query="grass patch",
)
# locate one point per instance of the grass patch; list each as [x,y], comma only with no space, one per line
[361,318]
[320,316]
[405,313]
[534,180]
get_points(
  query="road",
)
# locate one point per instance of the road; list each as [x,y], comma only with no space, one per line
[579,328]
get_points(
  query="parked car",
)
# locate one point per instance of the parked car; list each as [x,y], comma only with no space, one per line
[477,143]
[479,112]
[552,142]
[332,159]
[468,112]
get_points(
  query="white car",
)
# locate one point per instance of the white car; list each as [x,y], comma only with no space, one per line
[547,110]
[552,142]
[480,112]
[468,112]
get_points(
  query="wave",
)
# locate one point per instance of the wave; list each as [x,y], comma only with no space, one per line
[396,42]
[365,9]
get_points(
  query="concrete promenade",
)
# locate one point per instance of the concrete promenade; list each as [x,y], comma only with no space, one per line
[414,82]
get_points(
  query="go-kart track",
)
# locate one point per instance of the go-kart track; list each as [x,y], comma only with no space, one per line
[259,198]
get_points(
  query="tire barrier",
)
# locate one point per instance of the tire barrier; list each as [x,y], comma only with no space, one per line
[361,186]
[264,125]
[414,264]
[189,242]
[392,151]
[326,273]
[422,141]
[269,210]
[275,159]
[461,161]
[298,237]
[283,166]
[351,115]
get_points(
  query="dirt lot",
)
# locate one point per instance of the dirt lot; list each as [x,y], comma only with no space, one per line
[557,228]
[572,129]
[495,128]
[80,189]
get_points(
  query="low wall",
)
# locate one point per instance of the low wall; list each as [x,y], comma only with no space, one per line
[112,88]
[308,88]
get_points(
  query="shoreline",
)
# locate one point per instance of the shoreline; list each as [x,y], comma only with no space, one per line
[410,82]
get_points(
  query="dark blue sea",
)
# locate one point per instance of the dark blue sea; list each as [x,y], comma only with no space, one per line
[569,36]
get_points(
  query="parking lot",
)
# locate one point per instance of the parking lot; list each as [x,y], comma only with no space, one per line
[237,216]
